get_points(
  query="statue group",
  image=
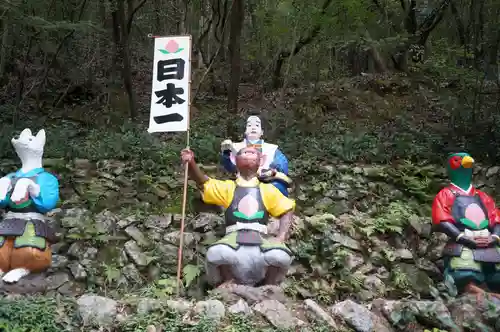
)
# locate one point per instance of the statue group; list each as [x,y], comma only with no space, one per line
[247,253]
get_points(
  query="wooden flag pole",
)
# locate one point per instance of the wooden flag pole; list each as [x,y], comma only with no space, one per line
[186,174]
[183,217]
[186,179]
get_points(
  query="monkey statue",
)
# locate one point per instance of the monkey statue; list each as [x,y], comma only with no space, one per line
[246,254]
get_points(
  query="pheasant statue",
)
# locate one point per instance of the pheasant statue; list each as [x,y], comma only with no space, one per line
[471,221]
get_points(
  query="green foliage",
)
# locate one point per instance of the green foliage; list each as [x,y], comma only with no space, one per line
[415,180]
[42,314]
[190,272]
[447,289]
[172,322]
[132,142]
[34,21]
[36,314]
[399,279]
[441,64]
[241,323]
[409,313]
[111,274]
[166,287]
[168,320]
[87,229]
[319,250]
[124,142]
[392,220]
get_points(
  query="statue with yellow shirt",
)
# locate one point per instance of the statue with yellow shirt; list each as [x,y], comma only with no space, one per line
[246,254]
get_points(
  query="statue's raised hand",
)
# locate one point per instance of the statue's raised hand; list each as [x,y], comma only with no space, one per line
[187,156]
[5,187]
[227,145]
[267,172]
[23,188]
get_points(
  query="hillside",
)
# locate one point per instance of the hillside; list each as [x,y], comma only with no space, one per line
[365,259]
[365,97]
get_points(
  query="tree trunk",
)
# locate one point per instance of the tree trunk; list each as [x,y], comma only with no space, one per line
[125,55]
[116,46]
[181,17]
[460,24]
[22,74]
[158,26]
[100,41]
[5,46]
[236,24]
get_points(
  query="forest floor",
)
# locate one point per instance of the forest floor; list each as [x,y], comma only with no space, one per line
[366,155]
[390,117]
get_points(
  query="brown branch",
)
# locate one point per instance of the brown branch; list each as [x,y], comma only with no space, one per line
[56,53]
[22,74]
[204,35]
[403,4]
[216,10]
[432,21]
[212,61]
[412,18]
[472,15]
[131,15]
[303,41]
[378,5]
[459,23]
[390,15]
[221,23]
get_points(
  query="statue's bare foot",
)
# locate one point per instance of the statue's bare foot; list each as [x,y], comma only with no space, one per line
[495,295]
[477,291]
[226,284]
[15,275]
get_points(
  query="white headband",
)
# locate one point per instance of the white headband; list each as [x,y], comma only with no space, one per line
[253,118]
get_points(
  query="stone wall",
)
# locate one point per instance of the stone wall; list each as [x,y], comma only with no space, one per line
[129,247]
[126,235]
[112,184]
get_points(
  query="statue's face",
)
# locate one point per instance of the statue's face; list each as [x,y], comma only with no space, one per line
[248,160]
[27,145]
[459,167]
[254,128]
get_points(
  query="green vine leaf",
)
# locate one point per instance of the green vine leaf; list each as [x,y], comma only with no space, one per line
[190,273]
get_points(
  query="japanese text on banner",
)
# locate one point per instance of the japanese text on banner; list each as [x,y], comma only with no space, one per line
[171,87]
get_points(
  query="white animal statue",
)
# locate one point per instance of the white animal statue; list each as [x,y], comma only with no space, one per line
[26,195]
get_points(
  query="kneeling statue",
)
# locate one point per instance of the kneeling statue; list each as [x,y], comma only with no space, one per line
[246,255]
[26,196]
[471,221]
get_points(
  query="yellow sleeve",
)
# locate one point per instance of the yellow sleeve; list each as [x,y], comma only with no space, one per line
[218,192]
[276,203]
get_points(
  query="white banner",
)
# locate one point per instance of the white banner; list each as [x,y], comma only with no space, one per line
[171,87]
